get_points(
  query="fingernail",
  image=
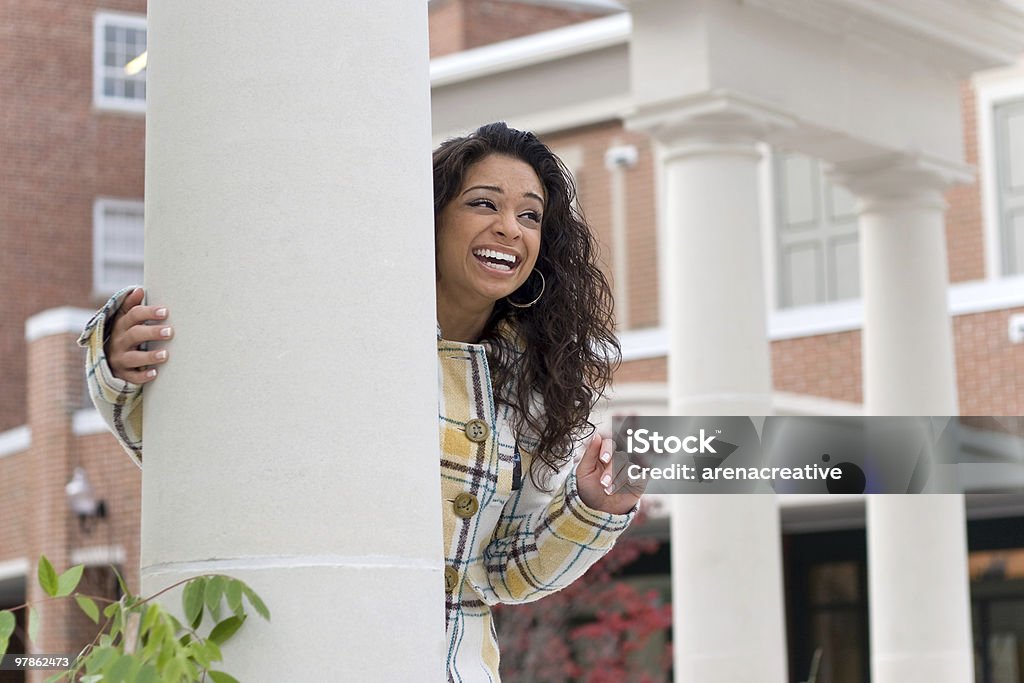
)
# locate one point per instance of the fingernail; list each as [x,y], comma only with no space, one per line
[161,354]
[166,332]
[606,480]
[609,490]
[151,373]
[161,312]
[606,457]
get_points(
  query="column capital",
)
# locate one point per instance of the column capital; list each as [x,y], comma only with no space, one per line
[716,121]
[899,180]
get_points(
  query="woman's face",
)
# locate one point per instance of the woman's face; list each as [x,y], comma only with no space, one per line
[488,236]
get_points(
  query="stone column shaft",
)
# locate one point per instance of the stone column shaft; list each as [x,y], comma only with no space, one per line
[291,439]
[917,545]
[726,557]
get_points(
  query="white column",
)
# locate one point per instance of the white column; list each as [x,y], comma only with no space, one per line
[908,338]
[291,440]
[917,545]
[726,560]
[918,589]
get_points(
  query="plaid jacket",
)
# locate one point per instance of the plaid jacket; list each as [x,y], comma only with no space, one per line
[505,540]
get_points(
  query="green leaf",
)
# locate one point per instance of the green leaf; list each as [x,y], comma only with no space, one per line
[221,677]
[7,623]
[117,623]
[96,678]
[149,619]
[225,629]
[197,653]
[120,581]
[213,653]
[147,674]
[213,596]
[99,659]
[68,581]
[56,677]
[33,624]
[109,610]
[255,601]
[89,607]
[175,670]
[3,646]
[121,671]
[192,600]
[47,576]
[234,595]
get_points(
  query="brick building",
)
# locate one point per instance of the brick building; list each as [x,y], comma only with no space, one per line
[71,222]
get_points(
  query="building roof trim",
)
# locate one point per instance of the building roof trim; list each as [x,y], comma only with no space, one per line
[964,298]
[966,35]
[537,48]
[15,440]
[52,321]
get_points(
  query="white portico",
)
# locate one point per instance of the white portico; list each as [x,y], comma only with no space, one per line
[869,88]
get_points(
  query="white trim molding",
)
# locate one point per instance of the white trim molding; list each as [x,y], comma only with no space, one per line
[98,555]
[652,399]
[12,569]
[63,320]
[965,298]
[15,441]
[87,421]
[991,88]
[533,49]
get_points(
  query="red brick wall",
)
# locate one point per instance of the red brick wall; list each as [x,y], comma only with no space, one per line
[49,463]
[593,182]
[462,24]
[990,370]
[37,519]
[447,34]
[646,370]
[59,154]
[826,365]
[964,233]
[489,21]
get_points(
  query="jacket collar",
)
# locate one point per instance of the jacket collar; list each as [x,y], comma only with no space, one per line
[506,329]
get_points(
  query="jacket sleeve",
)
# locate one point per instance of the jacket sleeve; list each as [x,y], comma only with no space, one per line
[119,402]
[545,541]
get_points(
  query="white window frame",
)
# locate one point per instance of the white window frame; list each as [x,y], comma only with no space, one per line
[100,21]
[102,288]
[800,321]
[991,89]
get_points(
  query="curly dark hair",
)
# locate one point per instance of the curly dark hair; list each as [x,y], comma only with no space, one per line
[570,347]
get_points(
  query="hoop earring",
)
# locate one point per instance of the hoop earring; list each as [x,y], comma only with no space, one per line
[543,284]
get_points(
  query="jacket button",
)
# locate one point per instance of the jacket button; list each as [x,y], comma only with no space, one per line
[477,430]
[451,579]
[466,505]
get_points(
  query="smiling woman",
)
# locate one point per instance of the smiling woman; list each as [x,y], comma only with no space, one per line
[488,240]
[525,348]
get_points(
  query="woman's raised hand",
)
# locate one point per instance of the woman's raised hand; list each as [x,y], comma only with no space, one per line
[128,331]
[601,484]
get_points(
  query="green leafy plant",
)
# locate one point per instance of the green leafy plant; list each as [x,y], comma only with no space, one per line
[140,641]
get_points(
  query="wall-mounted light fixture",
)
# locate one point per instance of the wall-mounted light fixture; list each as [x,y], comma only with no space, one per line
[82,499]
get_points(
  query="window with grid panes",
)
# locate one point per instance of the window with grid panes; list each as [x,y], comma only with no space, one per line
[120,39]
[1008,119]
[817,243]
[117,244]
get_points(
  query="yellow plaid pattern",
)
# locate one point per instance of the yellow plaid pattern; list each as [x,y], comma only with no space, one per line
[520,544]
